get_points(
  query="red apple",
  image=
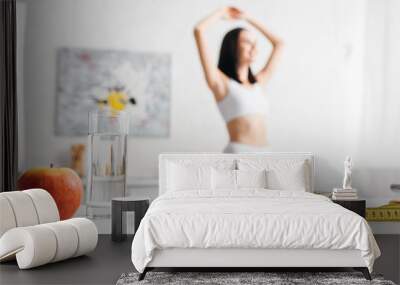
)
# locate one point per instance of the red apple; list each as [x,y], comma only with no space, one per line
[63,184]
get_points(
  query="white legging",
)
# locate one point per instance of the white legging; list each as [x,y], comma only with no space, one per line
[234,147]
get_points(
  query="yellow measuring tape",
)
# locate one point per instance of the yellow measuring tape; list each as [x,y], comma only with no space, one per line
[386,213]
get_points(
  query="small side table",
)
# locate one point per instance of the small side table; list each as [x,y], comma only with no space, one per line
[357,206]
[139,205]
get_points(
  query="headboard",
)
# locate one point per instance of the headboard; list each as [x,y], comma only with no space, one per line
[164,158]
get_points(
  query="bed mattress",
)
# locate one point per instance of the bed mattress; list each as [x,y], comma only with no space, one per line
[250,219]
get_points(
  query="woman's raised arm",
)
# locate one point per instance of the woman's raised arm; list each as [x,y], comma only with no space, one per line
[212,74]
[277,45]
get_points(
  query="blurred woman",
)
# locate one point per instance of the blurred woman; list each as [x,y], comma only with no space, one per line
[236,88]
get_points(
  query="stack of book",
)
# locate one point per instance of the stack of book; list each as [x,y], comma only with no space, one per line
[344,194]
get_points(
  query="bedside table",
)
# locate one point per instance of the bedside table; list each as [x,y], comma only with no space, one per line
[119,205]
[357,206]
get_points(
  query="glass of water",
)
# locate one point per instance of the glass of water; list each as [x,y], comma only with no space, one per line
[107,144]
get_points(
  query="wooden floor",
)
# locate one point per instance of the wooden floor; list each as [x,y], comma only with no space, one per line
[110,260]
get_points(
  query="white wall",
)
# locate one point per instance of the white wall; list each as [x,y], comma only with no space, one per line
[316,93]
[379,131]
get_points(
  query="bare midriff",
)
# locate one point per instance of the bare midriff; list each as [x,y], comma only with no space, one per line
[248,129]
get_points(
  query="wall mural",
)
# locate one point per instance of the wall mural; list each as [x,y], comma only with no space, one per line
[135,82]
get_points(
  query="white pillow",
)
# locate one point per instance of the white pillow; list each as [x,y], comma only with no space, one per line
[288,179]
[236,179]
[188,177]
[251,178]
[282,174]
[223,179]
[193,174]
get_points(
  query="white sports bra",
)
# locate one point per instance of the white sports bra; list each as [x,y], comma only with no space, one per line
[241,101]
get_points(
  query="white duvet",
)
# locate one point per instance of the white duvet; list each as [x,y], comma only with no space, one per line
[252,218]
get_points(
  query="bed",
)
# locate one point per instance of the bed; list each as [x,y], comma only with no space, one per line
[245,211]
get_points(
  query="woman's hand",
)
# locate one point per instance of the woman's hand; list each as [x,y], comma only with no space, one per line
[228,13]
[233,13]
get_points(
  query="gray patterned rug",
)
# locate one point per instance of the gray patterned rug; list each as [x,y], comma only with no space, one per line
[269,278]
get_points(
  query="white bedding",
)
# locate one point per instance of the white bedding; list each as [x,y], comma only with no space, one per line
[251,218]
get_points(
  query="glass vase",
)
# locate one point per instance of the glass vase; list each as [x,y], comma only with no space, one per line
[107,147]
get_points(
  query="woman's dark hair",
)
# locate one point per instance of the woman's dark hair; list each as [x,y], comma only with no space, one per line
[228,56]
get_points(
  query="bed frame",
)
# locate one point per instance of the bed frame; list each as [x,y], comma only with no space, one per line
[246,259]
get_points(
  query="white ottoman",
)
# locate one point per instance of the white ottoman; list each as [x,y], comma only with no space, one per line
[37,245]
[26,208]
[31,232]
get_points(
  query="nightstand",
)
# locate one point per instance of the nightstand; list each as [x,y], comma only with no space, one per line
[357,206]
[119,205]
